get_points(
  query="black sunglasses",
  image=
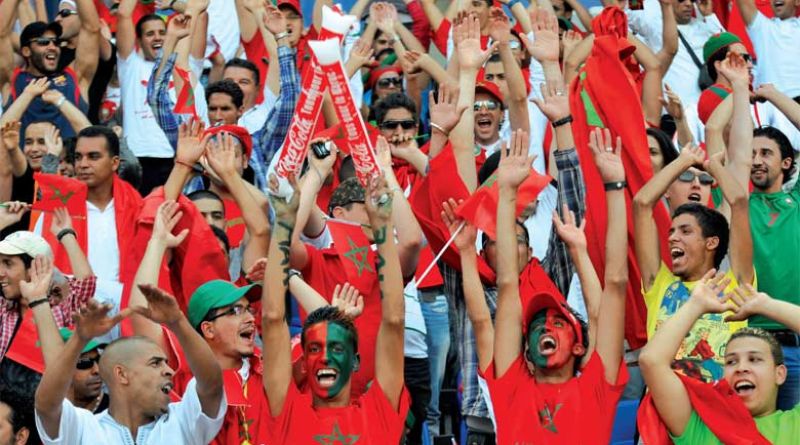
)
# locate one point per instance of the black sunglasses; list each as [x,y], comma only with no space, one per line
[386,83]
[237,310]
[489,104]
[391,125]
[688,176]
[87,363]
[64,13]
[45,41]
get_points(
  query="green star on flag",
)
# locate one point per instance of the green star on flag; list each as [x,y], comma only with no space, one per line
[336,437]
[359,256]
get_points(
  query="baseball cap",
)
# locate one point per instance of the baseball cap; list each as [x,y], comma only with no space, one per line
[294,4]
[215,294]
[66,334]
[376,74]
[490,88]
[36,30]
[545,300]
[24,242]
[348,191]
[238,132]
[717,42]
[710,99]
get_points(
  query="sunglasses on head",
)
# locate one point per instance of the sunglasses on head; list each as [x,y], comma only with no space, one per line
[489,104]
[64,13]
[87,363]
[704,178]
[389,81]
[45,41]
[237,310]
[391,125]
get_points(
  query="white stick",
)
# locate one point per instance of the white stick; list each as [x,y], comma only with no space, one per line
[440,253]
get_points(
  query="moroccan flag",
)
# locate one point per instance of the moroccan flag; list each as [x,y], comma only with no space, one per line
[25,348]
[60,191]
[604,95]
[481,208]
[184,103]
[356,253]
[720,408]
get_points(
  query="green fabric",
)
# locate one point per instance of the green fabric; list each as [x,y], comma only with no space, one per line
[716,197]
[775,225]
[66,334]
[717,42]
[212,295]
[592,117]
[780,428]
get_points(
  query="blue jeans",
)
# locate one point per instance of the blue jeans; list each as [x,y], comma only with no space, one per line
[437,323]
[789,393]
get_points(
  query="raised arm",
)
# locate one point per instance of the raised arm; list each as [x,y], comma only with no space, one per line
[8,14]
[445,112]
[35,290]
[669,36]
[674,106]
[655,361]
[433,12]
[61,228]
[750,303]
[19,106]
[77,120]
[513,169]
[9,132]
[748,10]
[126,32]
[740,140]
[782,102]
[517,99]
[389,343]
[651,86]
[191,146]
[87,53]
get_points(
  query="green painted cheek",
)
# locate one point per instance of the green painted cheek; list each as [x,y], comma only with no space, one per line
[533,354]
[342,360]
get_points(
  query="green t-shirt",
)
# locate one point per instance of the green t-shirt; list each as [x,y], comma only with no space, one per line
[775,225]
[780,428]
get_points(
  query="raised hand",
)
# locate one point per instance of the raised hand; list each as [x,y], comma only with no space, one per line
[555,101]
[41,275]
[11,212]
[571,39]
[499,26]
[37,87]
[361,53]
[572,234]
[735,69]
[61,221]
[402,146]
[386,19]
[52,96]
[161,307]
[257,271]
[274,20]
[706,7]
[378,201]
[191,142]
[285,210]
[467,38]
[606,155]
[383,154]
[714,164]
[445,112]
[348,300]
[221,156]
[692,155]
[324,166]
[515,163]
[167,218]
[707,293]
[544,47]
[179,26]
[766,91]
[672,102]
[748,302]
[10,134]
[53,141]
[196,7]
[467,234]
[92,319]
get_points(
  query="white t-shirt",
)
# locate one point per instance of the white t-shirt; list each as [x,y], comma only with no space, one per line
[183,424]
[142,133]
[254,118]
[538,125]
[777,46]
[762,113]
[223,28]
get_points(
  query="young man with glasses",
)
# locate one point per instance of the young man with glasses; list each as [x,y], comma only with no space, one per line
[86,390]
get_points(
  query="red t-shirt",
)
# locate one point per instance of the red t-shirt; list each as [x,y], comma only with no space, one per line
[323,272]
[370,419]
[580,411]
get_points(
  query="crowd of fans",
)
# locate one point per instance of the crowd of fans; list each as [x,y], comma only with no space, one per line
[409,222]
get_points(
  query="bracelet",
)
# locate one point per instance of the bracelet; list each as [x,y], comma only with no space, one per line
[294,273]
[60,102]
[65,232]
[562,121]
[185,164]
[42,300]
[436,126]
[612,186]
[281,35]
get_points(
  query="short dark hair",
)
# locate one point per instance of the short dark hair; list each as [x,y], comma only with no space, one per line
[718,56]
[246,64]
[783,143]
[711,223]
[229,87]
[392,101]
[584,336]
[94,131]
[146,18]
[26,259]
[761,334]
[330,314]
[665,145]
[204,194]
[17,388]
[347,168]
[485,238]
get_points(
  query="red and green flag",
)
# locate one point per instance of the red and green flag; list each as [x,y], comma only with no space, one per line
[184,103]
[355,251]
[25,349]
[60,191]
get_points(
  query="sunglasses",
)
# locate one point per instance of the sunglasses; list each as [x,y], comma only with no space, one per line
[747,58]
[705,178]
[389,81]
[87,363]
[237,310]
[489,104]
[64,13]
[391,125]
[45,41]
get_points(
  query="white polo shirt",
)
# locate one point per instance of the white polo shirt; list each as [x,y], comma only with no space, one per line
[183,424]
[777,46]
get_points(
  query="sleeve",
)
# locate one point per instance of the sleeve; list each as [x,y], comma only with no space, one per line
[280,426]
[503,389]
[159,100]
[592,380]
[571,191]
[256,52]
[420,26]
[381,417]
[74,421]
[441,36]
[652,298]
[80,291]
[196,428]
[696,432]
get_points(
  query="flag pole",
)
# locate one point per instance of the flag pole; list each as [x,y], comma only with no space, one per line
[440,253]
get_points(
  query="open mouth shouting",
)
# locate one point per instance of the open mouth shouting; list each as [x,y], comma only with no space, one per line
[248,334]
[484,123]
[744,388]
[326,377]
[547,345]
[694,197]
[167,387]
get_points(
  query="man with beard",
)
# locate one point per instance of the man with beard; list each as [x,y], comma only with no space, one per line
[86,390]
[139,381]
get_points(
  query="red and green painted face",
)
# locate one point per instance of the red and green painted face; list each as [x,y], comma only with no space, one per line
[551,340]
[330,358]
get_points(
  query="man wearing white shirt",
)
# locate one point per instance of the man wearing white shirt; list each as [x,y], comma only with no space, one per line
[139,382]
[245,74]
[775,42]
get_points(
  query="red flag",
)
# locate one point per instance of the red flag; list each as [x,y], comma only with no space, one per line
[25,349]
[604,95]
[720,408]
[481,208]
[60,191]
[356,253]
[184,103]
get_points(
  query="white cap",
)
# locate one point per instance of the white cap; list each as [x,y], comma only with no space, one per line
[24,242]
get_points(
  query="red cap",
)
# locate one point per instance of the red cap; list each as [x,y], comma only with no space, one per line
[490,88]
[543,301]
[376,73]
[238,132]
[710,100]
[294,4]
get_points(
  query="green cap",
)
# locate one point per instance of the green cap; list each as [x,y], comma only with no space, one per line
[717,42]
[211,295]
[66,334]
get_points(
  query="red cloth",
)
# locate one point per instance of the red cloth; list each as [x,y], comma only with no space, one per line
[718,406]
[579,411]
[25,348]
[604,95]
[184,103]
[59,191]
[355,252]
[420,26]
[441,37]
[235,227]
[369,419]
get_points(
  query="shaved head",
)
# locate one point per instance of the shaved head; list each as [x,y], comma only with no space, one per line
[121,352]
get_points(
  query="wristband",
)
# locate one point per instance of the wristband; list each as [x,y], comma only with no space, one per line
[281,35]
[42,300]
[512,3]
[562,121]
[436,126]
[65,232]
[185,164]
[60,102]
[612,186]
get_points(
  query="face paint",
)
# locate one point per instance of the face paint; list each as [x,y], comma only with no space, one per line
[330,358]
[550,340]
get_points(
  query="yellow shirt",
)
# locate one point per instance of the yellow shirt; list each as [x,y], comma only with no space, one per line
[701,354]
